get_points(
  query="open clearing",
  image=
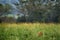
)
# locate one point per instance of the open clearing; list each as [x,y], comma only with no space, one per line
[29,31]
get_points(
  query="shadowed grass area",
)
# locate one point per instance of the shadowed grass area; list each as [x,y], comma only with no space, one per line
[29,31]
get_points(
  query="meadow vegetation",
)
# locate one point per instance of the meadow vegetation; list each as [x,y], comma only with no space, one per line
[29,31]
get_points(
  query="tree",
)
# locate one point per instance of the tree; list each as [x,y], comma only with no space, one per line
[1,9]
[57,11]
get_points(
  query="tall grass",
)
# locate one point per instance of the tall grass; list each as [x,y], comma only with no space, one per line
[30,31]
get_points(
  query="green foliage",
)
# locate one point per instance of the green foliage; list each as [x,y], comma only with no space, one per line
[50,32]
[36,10]
[1,9]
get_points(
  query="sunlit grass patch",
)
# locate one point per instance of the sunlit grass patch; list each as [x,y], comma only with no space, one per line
[29,31]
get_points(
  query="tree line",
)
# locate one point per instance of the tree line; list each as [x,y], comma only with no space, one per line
[35,11]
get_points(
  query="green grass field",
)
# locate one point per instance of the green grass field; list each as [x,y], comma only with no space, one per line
[30,31]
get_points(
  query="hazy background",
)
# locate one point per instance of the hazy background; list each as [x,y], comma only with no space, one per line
[46,11]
